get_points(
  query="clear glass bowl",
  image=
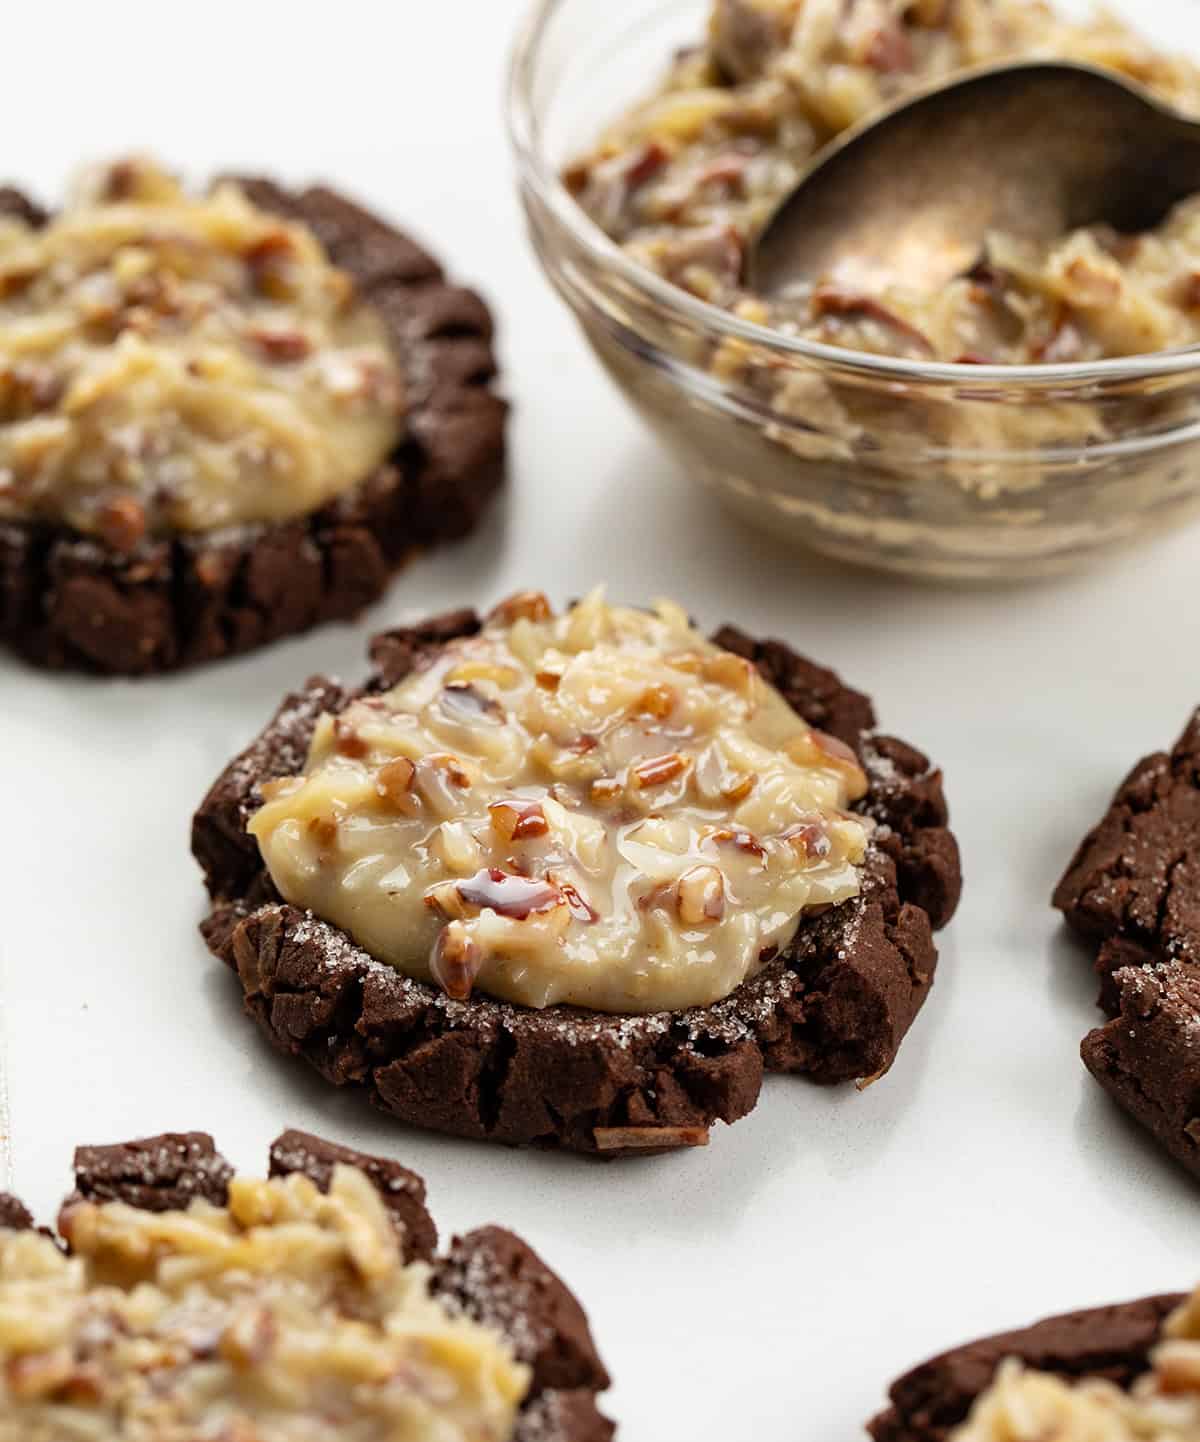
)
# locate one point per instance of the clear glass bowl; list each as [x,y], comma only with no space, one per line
[950,471]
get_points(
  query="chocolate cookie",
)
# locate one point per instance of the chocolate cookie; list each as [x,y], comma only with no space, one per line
[73,600]
[489,1276]
[1133,888]
[1110,1342]
[835,1005]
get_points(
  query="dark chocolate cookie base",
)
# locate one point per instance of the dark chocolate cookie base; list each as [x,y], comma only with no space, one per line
[488,1275]
[1133,888]
[1109,1342]
[69,601]
[835,1006]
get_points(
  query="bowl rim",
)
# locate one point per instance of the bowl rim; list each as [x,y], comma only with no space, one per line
[540,176]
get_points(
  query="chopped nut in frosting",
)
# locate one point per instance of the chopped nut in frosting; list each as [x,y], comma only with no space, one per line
[689,178]
[287,1316]
[171,363]
[600,808]
[1162,1406]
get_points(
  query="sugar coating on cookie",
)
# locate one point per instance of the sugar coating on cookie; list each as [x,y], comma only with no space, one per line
[1132,889]
[600,807]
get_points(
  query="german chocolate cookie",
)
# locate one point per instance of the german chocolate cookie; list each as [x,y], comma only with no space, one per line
[1133,890]
[1113,1343]
[495,1332]
[127,582]
[833,1004]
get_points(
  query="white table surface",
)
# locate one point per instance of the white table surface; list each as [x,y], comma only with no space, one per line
[770,1285]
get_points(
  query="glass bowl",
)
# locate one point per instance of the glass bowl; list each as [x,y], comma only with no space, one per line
[935,470]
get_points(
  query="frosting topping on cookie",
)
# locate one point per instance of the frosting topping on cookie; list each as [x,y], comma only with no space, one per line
[171,363]
[600,808]
[286,1316]
[1163,1406]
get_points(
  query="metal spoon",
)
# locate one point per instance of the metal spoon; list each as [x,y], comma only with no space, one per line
[1034,150]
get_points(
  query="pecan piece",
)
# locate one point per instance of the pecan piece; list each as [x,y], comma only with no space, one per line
[810,839]
[658,770]
[741,788]
[1177,1366]
[394,780]
[121,523]
[284,347]
[522,606]
[620,1139]
[646,164]
[27,390]
[890,50]
[347,741]
[832,300]
[517,820]
[701,896]
[738,836]
[455,961]
[454,770]
[446,898]
[38,1374]
[657,701]
[120,181]
[605,790]
[269,262]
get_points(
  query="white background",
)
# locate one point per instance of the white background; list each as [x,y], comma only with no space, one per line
[771,1285]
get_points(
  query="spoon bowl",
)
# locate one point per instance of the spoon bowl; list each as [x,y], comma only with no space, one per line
[1034,150]
[912,466]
